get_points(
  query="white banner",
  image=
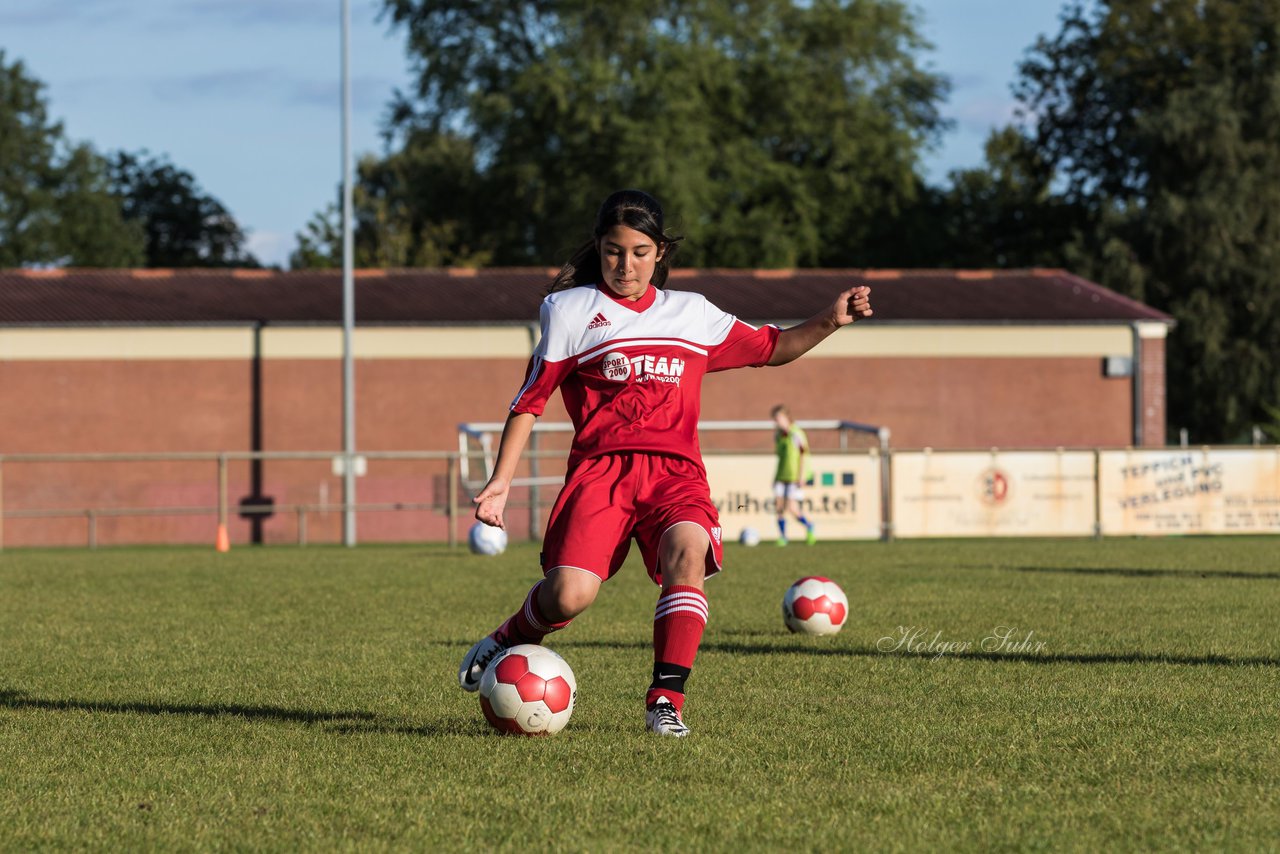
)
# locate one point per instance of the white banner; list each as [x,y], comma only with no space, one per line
[843,499]
[993,494]
[1185,491]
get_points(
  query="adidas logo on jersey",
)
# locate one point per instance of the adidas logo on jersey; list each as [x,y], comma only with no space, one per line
[598,321]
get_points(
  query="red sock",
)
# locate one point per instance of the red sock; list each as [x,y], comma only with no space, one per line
[678,622]
[528,625]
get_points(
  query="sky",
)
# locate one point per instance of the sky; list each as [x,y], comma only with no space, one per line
[244,94]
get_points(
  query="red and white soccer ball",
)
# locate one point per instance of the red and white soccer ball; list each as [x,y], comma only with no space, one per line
[815,606]
[528,690]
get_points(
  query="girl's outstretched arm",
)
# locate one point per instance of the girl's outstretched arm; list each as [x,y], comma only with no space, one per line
[493,498]
[854,304]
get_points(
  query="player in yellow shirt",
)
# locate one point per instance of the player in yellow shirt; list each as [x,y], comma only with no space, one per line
[793,447]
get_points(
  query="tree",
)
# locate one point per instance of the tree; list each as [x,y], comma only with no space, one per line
[319,242]
[1003,214]
[184,226]
[56,205]
[417,207]
[776,132]
[1158,127]
[1272,428]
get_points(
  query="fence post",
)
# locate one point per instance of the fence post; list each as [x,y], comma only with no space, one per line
[1097,493]
[886,486]
[886,496]
[302,524]
[222,495]
[92,519]
[453,501]
[1,504]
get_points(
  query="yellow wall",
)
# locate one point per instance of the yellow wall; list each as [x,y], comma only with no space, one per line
[504,342]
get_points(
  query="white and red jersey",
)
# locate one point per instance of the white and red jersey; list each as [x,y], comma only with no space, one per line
[631,372]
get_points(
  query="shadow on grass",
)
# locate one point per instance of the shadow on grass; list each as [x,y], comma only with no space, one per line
[1150,573]
[447,726]
[738,648]
[341,722]
[18,700]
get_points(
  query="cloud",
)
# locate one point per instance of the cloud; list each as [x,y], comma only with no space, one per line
[35,13]
[367,93]
[271,12]
[968,80]
[270,247]
[229,83]
[982,114]
[88,90]
[242,12]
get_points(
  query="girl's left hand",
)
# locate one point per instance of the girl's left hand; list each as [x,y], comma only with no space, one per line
[853,304]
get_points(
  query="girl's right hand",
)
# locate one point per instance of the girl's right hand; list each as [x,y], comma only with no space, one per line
[491,501]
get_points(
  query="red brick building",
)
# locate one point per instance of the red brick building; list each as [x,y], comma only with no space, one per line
[150,361]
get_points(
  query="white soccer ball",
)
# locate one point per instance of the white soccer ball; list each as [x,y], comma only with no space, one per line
[749,537]
[486,539]
[528,690]
[815,606]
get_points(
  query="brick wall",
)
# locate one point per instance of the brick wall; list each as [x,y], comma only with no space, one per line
[1153,392]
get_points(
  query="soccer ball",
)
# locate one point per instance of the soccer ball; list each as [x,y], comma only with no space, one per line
[486,539]
[528,690]
[749,537]
[815,606]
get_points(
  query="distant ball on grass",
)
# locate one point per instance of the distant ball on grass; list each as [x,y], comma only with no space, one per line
[749,537]
[486,539]
[528,690]
[815,606]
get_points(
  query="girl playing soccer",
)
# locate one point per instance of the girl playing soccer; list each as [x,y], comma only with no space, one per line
[629,358]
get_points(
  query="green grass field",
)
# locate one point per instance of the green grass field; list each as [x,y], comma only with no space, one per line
[282,699]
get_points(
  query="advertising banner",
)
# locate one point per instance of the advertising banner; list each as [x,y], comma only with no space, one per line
[1185,491]
[842,498]
[993,494]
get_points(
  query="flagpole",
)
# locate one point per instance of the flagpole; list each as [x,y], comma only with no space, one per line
[348,299]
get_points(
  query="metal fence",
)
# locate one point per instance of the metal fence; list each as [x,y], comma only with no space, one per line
[62,496]
[220,463]
[995,492]
[148,487]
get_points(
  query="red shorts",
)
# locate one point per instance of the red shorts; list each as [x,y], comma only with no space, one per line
[609,499]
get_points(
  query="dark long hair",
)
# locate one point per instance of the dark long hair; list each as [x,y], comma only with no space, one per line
[634,209]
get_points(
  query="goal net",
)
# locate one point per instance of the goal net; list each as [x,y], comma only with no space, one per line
[550,440]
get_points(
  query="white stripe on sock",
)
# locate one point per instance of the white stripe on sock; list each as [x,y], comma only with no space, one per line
[682,597]
[670,597]
[683,606]
[528,611]
[682,609]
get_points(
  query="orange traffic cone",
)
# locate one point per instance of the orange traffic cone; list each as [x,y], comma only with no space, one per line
[223,543]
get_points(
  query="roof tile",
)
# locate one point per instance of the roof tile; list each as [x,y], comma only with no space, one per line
[512,295]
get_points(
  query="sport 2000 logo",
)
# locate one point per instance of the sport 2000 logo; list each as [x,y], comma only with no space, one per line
[616,366]
[993,487]
[620,367]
